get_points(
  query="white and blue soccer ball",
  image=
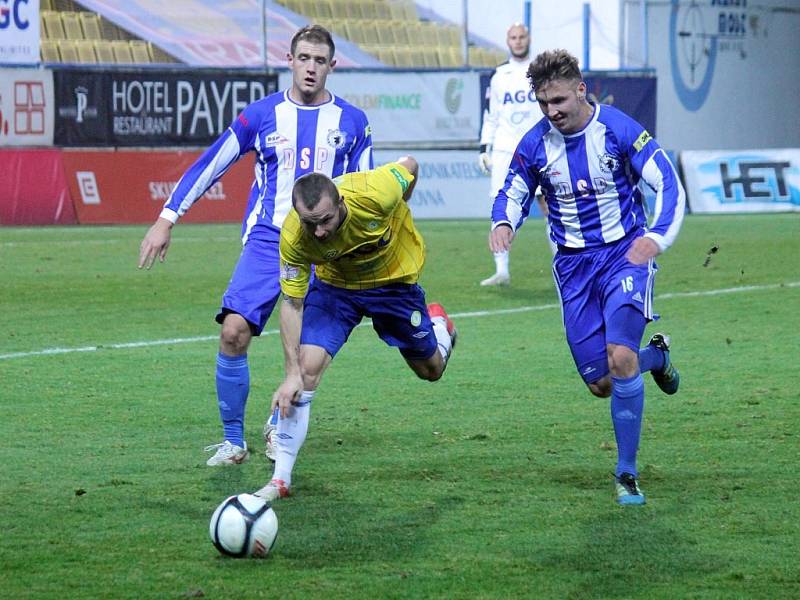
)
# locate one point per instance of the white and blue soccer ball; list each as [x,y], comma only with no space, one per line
[244,526]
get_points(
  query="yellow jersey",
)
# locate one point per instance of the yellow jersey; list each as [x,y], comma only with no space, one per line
[376,244]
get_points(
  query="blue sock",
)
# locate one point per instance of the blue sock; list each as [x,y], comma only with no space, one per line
[651,359]
[233,386]
[627,406]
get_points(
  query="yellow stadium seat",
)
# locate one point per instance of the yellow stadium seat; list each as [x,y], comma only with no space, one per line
[85,50]
[414,33]
[72,26]
[367,9]
[386,56]
[140,50]
[46,5]
[430,57]
[90,22]
[454,56]
[403,57]
[382,10]
[427,33]
[122,52]
[449,35]
[323,9]
[49,51]
[102,48]
[68,51]
[396,10]
[338,9]
[385,33]
[52,27]
[399,33]
[371,33]
[355,32]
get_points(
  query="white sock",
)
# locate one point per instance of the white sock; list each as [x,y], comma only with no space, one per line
[442,337]
[501,263]
[291,433]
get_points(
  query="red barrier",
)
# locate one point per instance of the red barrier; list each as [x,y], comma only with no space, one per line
[33,190]
[131,186]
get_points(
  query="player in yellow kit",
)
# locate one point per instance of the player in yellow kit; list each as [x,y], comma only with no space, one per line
[367,254]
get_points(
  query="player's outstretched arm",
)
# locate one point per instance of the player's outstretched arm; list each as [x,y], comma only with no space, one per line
[155,243]
[291,319]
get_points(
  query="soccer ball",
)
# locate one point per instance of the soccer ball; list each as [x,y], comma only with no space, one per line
[244,525]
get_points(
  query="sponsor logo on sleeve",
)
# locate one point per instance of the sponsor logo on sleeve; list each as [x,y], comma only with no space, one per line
[642,140]
[289,272]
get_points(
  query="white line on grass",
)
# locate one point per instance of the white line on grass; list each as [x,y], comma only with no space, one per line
[463,315]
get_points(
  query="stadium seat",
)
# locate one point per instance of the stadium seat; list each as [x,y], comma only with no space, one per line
[323,9]
[427,32]
[450,56]
[449,35]
[122,52]
[368,9]
[401,11]
[85,50]
[372,33]
[382,10]
[338,9]
[140,50]
[403,57]
[386,56]
[414,33]
[161,57]
[68,51]
[65,6]
[49,51]
[102,48]
[72,26]
[46,5]
[398,32]
[430,57]
[90,22]
[51,21]
[355,32]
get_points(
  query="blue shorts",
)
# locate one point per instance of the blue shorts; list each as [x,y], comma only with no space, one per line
[398,312]
[254,286]
[605,299]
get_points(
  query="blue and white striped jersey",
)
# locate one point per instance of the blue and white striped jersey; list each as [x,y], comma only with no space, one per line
[590,181]
[289,140]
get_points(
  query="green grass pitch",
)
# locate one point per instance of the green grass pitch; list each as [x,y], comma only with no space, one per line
[495,482]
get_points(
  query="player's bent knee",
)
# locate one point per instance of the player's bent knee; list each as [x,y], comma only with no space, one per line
[601,388]
[235,335]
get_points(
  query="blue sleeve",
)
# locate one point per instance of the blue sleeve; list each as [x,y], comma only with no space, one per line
[360,155]
[652,164]
[513,202]
[235,141]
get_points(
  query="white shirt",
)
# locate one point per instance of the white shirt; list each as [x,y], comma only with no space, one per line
[512,108]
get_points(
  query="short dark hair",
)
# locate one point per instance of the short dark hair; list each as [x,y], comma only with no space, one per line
[552,65]
[314,34]
[310,188]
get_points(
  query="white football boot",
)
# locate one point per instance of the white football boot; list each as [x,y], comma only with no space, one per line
[227,454]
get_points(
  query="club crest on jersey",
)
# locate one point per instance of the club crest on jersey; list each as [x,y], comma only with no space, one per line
[274,139]
[288,271]
[608,162]
[336,138]
[416,318]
